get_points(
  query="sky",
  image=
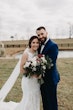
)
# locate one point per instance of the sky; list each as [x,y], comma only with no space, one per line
[20,18]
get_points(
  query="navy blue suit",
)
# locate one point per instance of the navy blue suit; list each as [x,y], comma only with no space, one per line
[51,78]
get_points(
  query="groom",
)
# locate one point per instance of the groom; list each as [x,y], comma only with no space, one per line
[51,77]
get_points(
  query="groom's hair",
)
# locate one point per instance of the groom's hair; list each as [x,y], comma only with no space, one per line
[41,27]
[31,39]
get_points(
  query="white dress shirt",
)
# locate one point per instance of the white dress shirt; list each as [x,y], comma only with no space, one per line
[42,47]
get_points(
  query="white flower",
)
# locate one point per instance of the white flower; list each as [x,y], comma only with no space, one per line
[43,59]
[34,69]
[44,67]
[26,64]
[34,63]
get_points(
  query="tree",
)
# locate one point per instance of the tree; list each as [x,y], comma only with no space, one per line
[70,30]
[12,37]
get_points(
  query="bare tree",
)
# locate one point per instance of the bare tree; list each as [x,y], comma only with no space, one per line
[70,30]
[12,37]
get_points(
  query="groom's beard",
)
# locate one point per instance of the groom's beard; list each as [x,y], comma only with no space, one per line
[42,42]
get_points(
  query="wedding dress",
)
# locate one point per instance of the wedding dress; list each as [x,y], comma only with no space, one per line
[31,93]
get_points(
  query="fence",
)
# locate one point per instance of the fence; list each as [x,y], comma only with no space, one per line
[65,46]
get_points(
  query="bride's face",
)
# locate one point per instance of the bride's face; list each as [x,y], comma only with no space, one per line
[35,44]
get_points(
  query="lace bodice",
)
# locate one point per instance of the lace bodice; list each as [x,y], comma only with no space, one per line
[30,54]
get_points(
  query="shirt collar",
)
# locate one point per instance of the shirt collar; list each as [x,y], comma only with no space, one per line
[46,41]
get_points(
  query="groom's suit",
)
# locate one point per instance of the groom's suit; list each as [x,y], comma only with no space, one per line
[51,78]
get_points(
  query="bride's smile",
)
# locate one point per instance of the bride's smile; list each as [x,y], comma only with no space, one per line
[34,45]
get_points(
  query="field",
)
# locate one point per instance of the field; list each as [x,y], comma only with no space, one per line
[65,87]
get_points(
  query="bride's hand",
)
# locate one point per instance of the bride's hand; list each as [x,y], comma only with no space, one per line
[35,76]
[39,77]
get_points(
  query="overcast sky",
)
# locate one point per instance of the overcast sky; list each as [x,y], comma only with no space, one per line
[20,18]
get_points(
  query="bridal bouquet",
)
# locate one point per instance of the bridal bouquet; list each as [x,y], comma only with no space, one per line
[37,65]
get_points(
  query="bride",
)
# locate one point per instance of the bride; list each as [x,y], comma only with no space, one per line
[30,86]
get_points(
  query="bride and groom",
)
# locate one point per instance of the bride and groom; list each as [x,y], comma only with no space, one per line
[30,86]
[32,90]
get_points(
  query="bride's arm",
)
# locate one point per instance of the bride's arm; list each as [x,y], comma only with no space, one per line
[23,61]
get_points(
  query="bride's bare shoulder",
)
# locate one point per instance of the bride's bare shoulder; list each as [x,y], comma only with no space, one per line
[25,53]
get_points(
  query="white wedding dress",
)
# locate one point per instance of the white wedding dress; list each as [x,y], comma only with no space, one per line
[31,93]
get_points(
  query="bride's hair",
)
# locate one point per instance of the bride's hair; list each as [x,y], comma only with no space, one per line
[31,39]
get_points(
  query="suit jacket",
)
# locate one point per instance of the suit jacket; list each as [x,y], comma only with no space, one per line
[51,75]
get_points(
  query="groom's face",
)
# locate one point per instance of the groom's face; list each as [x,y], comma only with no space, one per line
[42,35]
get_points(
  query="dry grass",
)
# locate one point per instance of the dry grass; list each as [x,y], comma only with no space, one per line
[65,87]
[12,51]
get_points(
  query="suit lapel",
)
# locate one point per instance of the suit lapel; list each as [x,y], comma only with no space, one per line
[47,46]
